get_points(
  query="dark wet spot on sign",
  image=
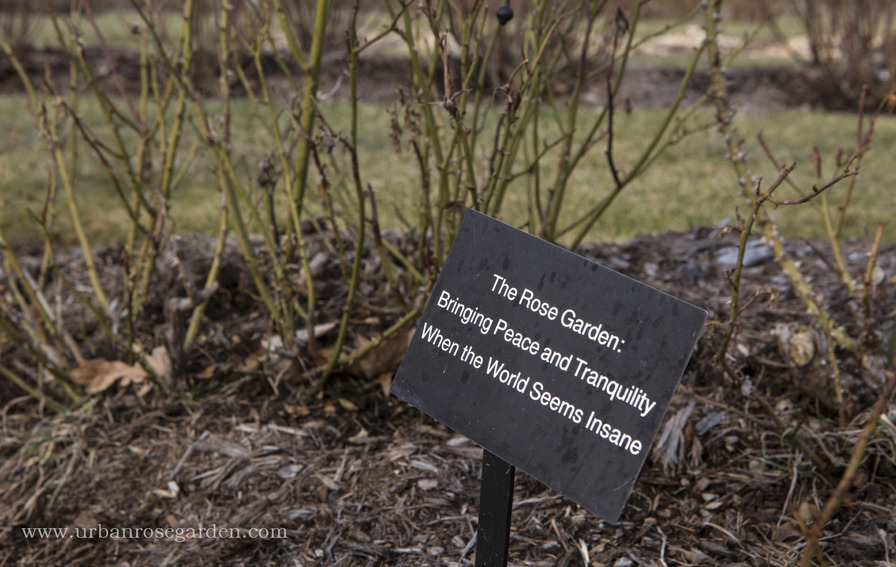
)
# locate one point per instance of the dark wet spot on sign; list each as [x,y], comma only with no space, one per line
[553,276]
[541,283]
[506,263]
[570,456]
[465,376]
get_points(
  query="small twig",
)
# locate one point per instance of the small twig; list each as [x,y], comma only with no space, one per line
[609,152]
[113,68]
[796,464]
[724,406]
[771,157]
[869,272]
[186,271]
[176,308]
[816,191]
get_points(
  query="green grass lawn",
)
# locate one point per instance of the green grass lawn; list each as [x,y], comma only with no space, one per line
[691,185]
[694,185]
[116,26]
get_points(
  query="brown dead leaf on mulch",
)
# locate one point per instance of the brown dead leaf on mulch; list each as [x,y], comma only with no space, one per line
[98,375]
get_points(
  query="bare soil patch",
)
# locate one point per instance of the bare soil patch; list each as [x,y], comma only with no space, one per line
[355,477]
[769,87]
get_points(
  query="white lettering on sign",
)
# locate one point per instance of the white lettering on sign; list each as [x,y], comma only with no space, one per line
[568,318]
[580,368]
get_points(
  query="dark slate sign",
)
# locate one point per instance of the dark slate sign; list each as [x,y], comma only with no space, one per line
[556,364]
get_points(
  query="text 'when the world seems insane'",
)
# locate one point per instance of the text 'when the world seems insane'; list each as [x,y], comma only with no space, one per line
[580,368]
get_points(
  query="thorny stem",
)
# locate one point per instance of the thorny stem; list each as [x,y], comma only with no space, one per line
[654,147]
[294,49]
[862,140]
[34,302]
[564,168]
[735,277]
[361,228]
[431,129]
[841,492]
[42,356]
[725,120]
[869,273]
[308,97]
[293,206]
[33,392]
[234,194]
[196,317]
[378,242]
[851,170]
[68,186]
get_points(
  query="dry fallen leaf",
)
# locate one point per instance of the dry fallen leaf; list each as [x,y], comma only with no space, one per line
[208,372]
[808,512]
[789,529]
[385,380]
[98,375]
[384,357]
[298,411]
[160,362]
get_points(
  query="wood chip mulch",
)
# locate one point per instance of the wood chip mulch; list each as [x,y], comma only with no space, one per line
[355,477]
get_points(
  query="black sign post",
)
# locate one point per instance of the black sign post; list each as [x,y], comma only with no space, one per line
[552,363]
[495,505]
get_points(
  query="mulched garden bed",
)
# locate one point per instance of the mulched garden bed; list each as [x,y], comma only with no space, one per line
[356,477]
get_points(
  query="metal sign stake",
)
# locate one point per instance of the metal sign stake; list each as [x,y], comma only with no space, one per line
[495,504]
